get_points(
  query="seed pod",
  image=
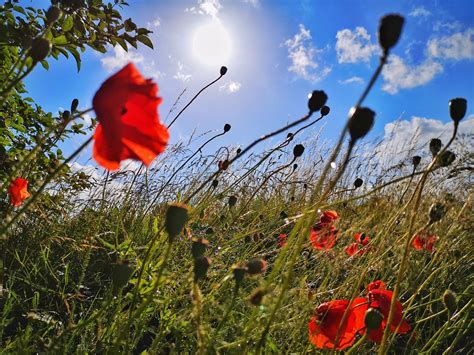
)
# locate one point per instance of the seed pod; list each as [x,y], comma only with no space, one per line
[215,183]
[437,211]
[446,158]
[223,70]
[223,164]
[40,49]
[283,215]
[256,266]
[361,123]
[457,109]
[238,151]
[53,14]
[74,105]
[325,110]
[316,101]
[298,150]
[389,31]
[227,127]
[256,297]
[198,247]
[358,183]
[121,272]
[416,161]
[289,136]
[201,265]
[373,318]
[449,300]
[239,274]
[176,217]
[435,146]
[295,166]
[232,201]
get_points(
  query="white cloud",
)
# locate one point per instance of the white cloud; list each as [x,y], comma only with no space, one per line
[399,75]
[457,46]
[231,87]
[206,7]
[353,80]
[254,3]
[180,75]
[354,46]
[120,58]
[302,54]
[420,12]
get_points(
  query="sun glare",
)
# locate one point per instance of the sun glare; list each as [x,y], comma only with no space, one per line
[212,44]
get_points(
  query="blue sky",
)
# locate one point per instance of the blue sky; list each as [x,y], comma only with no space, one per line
[279,52]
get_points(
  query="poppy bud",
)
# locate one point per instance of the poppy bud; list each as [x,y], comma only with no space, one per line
[121,272]
[239,274]
[416,161]
[325,110]
[295,166]
[389,31]
[373,318]
[298,150]
[201,265]
[446,158]
[223,164]
[435,146]
[437,211]
[361,123]
[256,266]
[358,183]
[232,201]
[317,99]
[238,151]
[227,127]
[53,14]
[66,115]
[215,183]
[209,231]
[40,49]
[176,217]
[74,105]
[198,247]
[289,136]
[283,215]
[457,109]
[449,300]
[223,70]
[256,297]
[305,186]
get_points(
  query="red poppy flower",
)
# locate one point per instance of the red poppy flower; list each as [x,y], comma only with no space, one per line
[381,300]
[361,238]
[352,249]
[328,217]
[357,248]
[282,240]
[18,191]
[327,320]
[323,237]
[424,242]
[129,126]
[376,285]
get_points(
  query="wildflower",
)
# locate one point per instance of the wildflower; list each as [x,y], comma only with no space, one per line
[129,126]
[18,191]
[361,240]
[421,242]
[282,240]
[352,249]
[323,237]
[376,285]
[327,320]
[328,217]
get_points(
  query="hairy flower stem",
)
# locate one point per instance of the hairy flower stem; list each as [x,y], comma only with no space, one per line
[200,333]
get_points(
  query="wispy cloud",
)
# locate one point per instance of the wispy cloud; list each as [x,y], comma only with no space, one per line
[354,46]
[231,87]
[206,7]
[180,75]
[400,75]
[353,80]
[420,11]
[254,3]
[458,46]
[302,54]
[120,58]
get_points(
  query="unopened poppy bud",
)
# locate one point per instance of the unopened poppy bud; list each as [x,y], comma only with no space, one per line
[238,151]
[121,272]
[223,164]
[449,300]
[283,215]
[289,136]
[389,31]
[325,110]
[373,318]
[316,100]
[298,150]
[457,109]
[446,158]
[40,49]
[66,115]
[416,161]
[74,105]
[176,217]
[358,183]
[215,183]
[437,211]
[361,123]
[256,266]
[232,201]
[223,70]
[305,186]
[239,273]
[198,247]
[295,166]
[201,265]
[53,14]
[256,297]
[435,146]
[227,127]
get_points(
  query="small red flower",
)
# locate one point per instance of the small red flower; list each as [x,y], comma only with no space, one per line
[282,240]
[381,300]
[328,217]
[358,247]
[327,320]
[352,249]
[361,238]
[376,285]
[427,242]
[323,237]
[129,126]
[18,191]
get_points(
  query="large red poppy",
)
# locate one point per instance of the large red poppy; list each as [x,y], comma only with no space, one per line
[328,217]
[18,191]
[327,320]
[322,236]
[427,242]
[129,127]
[376,285]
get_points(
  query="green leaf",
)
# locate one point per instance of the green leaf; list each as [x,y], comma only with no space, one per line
[145,40]
[67,23]
[60,40]
[45,64]
[76,56]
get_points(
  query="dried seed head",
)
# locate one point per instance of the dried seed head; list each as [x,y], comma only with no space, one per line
[389,31]
[361,123]
[40,49]
[223,164]
[437,211]
[446,158]
[215,183]
[198,247]
[201,265]
[256,266]
[457,109]
[227,127]
[450,301]
[239,273]
[373,318]
[223,70]
[298,150]
[316,100]
[416,161]
[283,215]
[176,217]
[256,297]
[232,201]
[325,110]
[358,183]
[238,151]
[435,146]
[295,166]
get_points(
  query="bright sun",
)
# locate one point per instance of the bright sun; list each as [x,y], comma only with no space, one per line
[212,44]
